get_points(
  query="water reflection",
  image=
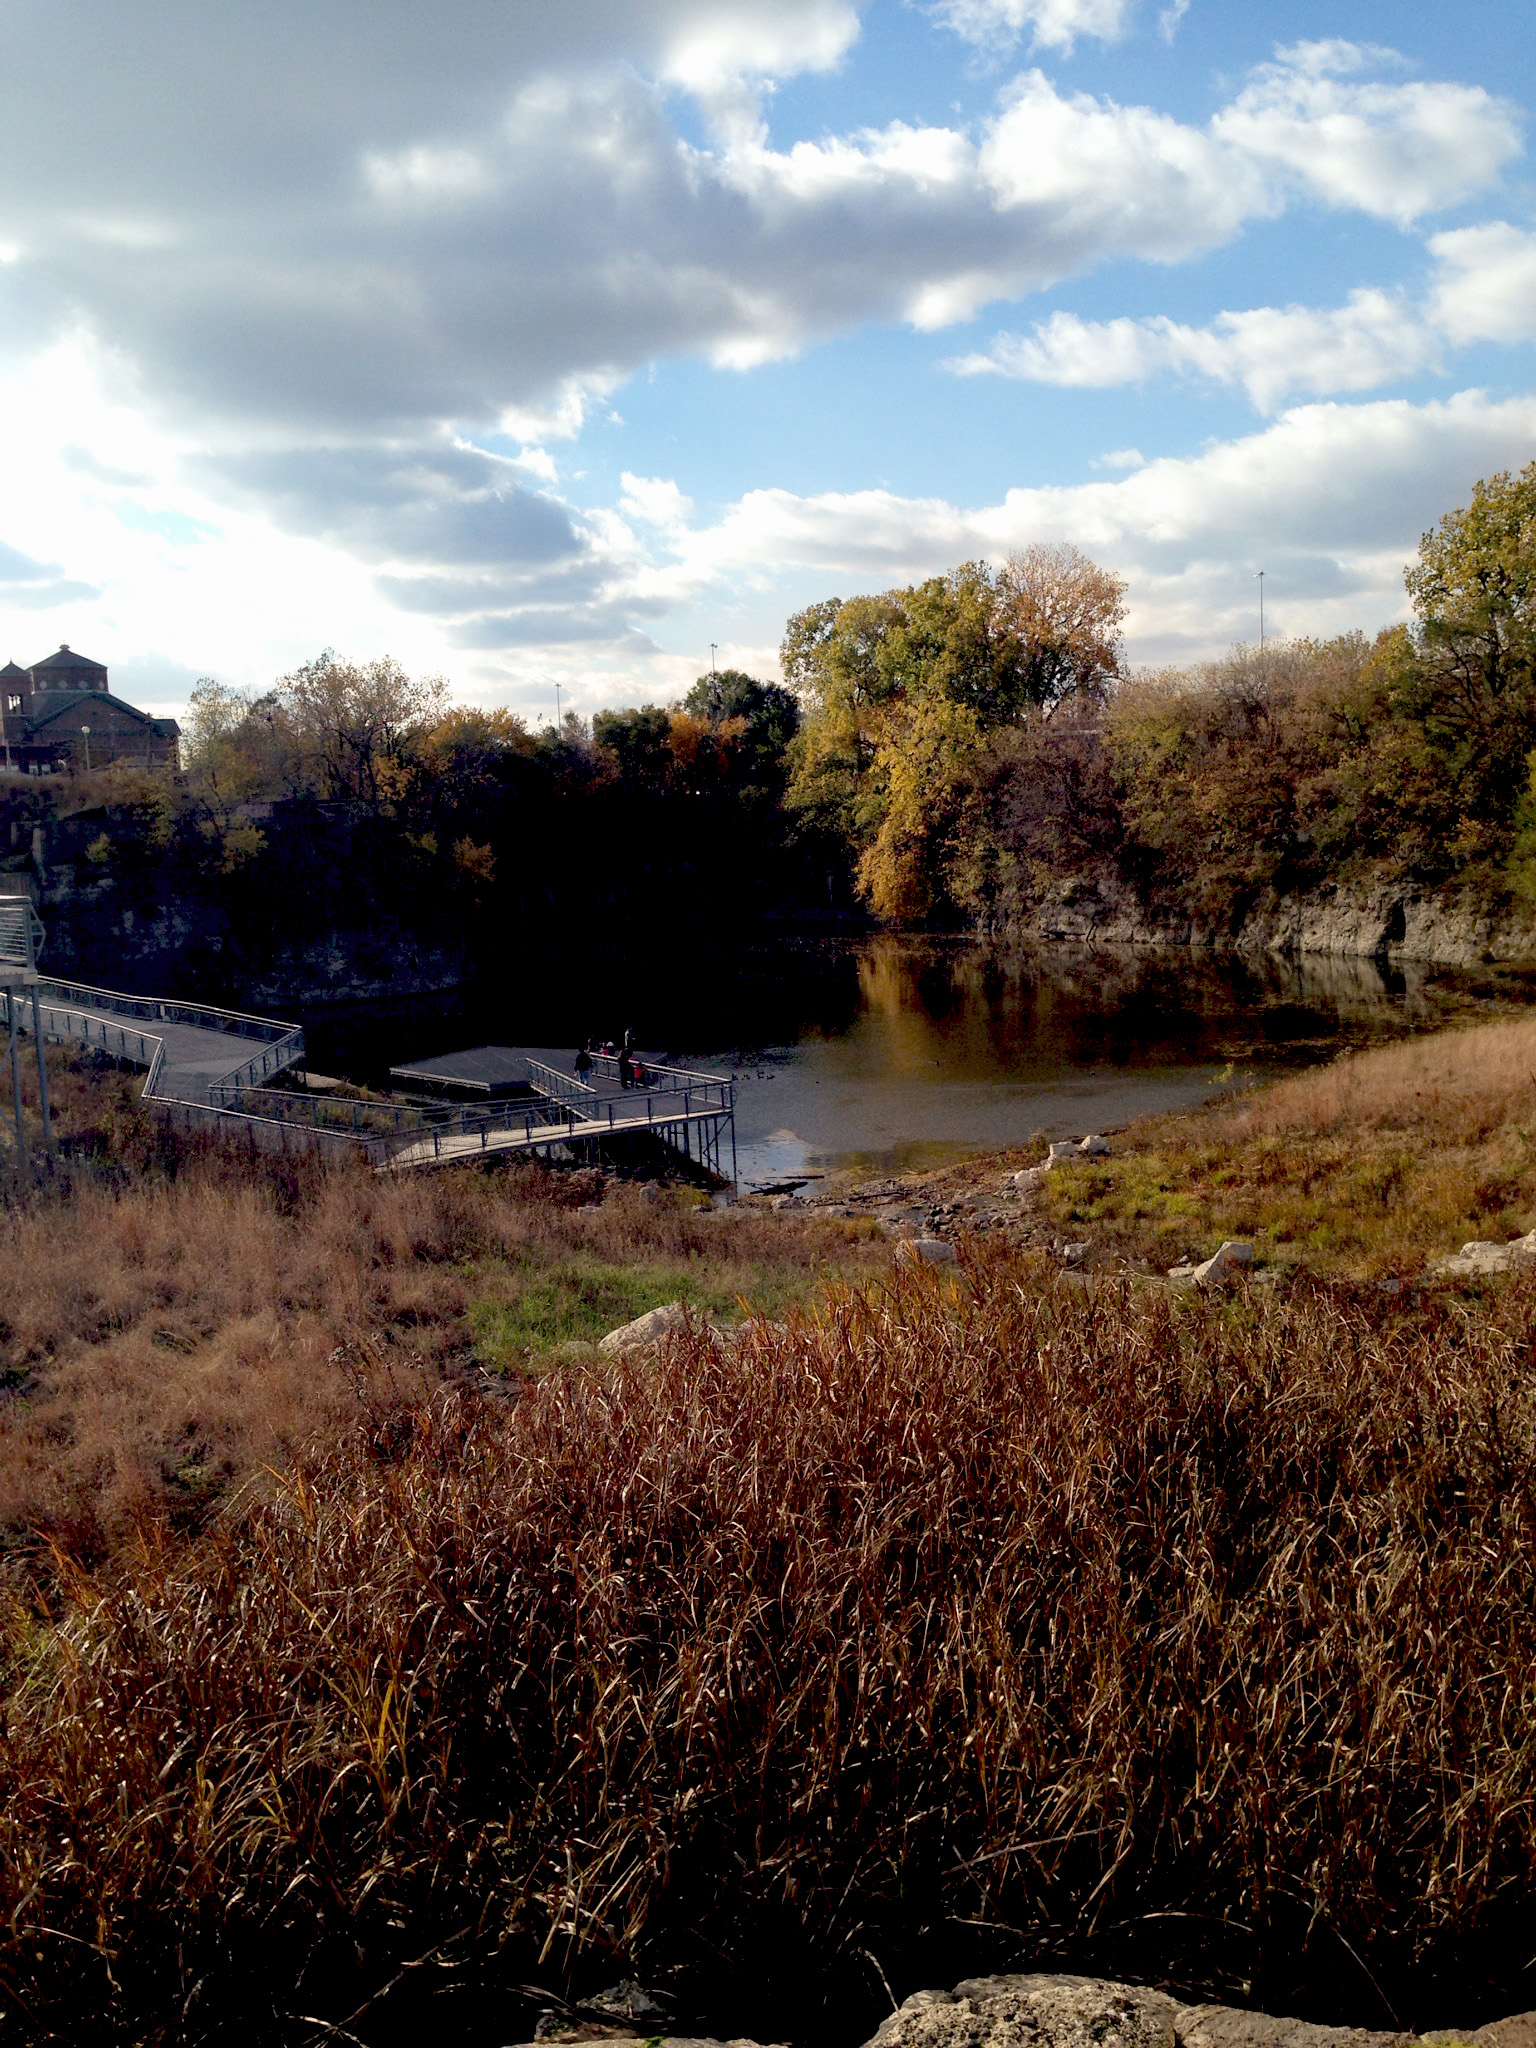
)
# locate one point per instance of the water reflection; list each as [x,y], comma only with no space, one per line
[921,1050]
[890,1052]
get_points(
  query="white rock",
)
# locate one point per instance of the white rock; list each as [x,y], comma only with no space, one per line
[1025,1181]
[1074,1254]
[1094,1147]
[1060,1154]
[1484,1257]
[1224,1265]
[1032,2012]
[929,1251]
[645,1329]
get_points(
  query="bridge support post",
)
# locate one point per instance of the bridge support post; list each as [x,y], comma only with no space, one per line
[13,1048]
[42,1072]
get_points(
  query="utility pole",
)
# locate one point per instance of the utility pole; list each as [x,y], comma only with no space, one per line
[712,646]
[557,711]
[1261,611]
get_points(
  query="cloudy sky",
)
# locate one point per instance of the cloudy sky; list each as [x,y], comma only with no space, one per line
[551,343]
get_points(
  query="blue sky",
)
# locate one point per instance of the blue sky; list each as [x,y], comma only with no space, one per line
[540,345]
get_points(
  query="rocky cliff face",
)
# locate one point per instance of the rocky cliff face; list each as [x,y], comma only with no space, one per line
[1363,924]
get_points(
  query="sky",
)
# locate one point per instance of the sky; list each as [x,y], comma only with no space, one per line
[572,346]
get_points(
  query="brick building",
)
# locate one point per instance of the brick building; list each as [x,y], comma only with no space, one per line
[61,714]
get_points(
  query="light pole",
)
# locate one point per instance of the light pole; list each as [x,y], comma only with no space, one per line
[712,646]
[87,732]
[1261,611]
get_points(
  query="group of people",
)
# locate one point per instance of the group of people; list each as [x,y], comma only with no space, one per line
[631,1066]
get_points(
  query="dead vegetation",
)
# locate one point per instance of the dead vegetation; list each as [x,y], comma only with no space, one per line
[176,1316]
[968,1621]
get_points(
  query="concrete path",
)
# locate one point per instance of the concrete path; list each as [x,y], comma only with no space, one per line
[196,1056]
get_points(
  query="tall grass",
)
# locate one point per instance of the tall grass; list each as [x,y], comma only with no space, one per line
[1373,1164]
[177,1316]
[969,1621]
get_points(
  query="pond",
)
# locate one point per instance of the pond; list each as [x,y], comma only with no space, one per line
[889,1053]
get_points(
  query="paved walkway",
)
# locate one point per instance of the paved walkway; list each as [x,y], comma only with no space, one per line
[196,1056]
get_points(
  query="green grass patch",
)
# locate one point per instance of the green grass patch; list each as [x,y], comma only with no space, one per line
[579,1300]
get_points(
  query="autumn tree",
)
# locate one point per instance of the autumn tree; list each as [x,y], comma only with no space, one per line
[903,692]
[1472,688]
[352,724]
[1064,615]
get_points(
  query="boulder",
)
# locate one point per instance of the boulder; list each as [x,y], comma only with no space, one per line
[580,2030]
[1023,1183]
[1229,2026]
[929,1251]
[1484,1256]
[1074,1254]
[645,1329]
[1048,2011]
[1220,1270]
[1059,1155]
[1094,1147]
[1038,2011]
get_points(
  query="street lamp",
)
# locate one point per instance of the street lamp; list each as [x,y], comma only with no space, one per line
[87,732]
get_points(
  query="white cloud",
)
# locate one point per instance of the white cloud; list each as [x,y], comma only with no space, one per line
[1168,21]
[1052,24]
[1486,286]
[655,501]
[1274,352]
[1483,289]
[300,287]
[1396,150]
[1120,458]
[1330,500]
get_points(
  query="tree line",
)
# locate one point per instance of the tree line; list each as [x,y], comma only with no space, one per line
[955,752]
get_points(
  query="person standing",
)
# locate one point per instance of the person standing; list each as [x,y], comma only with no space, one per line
[584,1060]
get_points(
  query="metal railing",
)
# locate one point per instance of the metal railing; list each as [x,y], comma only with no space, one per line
[659,1076]
[21,933]
[68,1007]
[157,1010]
[563,1087]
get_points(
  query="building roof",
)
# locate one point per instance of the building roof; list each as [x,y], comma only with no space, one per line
[13,673]
[48,705]
[67,662]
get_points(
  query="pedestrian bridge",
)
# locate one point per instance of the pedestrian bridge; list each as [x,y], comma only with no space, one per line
[211,1069]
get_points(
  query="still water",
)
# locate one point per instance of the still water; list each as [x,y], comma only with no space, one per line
[952,1047]
[890,1053]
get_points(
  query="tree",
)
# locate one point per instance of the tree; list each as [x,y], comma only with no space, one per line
[902,696]
[1065,614]
[352,723]
[637,742]
[1472,688]
[754,722]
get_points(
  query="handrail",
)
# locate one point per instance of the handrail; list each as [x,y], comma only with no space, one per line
[564,1087]
[609,1061]
[240,1023]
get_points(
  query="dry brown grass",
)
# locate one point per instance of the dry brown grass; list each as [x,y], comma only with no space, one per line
[1372,1165]
[176,1317]
[971,1620]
